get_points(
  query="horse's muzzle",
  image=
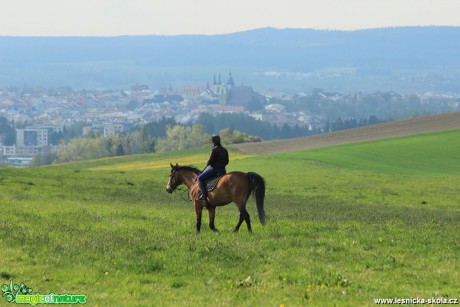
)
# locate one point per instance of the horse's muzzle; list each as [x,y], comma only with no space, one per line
[169,190]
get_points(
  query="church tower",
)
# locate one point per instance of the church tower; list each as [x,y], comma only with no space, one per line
[220,89]
[230,79]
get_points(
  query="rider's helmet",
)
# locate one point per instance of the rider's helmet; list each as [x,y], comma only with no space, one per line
[215,139]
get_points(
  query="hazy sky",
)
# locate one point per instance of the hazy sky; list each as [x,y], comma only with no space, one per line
[143,17]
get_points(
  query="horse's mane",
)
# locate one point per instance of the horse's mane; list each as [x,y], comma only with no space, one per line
[189,168]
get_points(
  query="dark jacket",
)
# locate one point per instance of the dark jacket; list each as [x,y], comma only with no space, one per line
[218,157]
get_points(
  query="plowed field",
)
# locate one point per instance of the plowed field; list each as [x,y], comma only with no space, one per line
[433,123]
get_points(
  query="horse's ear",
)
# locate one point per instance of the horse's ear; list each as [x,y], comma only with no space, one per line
[171,165]
[177,165]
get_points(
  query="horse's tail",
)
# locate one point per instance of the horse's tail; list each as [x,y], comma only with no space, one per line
[257,188]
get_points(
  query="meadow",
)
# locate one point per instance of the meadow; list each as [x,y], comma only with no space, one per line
[345,225]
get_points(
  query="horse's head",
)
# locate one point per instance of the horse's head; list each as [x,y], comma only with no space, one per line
[174,179]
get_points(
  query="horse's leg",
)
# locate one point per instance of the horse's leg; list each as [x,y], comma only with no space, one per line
[199,211]
[212,215]
[247,218]
[244,216]
[237,227]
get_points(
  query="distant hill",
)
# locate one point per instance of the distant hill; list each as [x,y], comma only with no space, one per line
[400,59]
[428,124]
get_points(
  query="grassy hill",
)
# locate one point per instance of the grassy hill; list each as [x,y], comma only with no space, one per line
[434,153]
[346,225]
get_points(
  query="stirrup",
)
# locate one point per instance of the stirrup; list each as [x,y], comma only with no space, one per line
[202,197]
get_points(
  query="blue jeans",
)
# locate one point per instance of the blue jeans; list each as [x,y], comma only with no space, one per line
[209,173]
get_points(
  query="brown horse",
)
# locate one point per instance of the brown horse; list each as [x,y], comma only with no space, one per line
[233,186]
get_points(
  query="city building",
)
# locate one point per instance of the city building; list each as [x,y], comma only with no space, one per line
[238,95]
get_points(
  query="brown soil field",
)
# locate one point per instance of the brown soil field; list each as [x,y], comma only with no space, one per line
[433,123]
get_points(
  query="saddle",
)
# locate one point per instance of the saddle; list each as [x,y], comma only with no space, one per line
[212,183]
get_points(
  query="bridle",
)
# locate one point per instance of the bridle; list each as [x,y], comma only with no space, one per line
[173,185]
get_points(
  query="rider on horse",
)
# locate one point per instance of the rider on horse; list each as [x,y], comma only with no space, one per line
[217,161]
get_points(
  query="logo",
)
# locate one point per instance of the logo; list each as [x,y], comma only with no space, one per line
[21,294]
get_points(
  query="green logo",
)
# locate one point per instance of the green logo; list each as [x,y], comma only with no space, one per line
[21,294]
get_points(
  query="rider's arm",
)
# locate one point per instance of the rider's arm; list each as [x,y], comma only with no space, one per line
[212,157]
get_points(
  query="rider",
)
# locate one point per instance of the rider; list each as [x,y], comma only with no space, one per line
[217,161]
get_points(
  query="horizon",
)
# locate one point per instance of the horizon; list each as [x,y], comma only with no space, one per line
[231,33]
[108,18]
[297,59]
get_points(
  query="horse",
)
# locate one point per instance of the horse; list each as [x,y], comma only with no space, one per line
[233,186]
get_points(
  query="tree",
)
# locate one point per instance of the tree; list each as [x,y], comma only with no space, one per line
[197,137]
[82,149]
[44,158]
[230,136]
[158,129]
[139,142]
[181,137]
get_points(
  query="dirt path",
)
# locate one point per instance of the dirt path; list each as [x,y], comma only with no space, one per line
[448,121]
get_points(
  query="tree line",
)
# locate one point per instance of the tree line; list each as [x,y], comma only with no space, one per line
[168,135]
[162,136]
[350,123]
[247,124]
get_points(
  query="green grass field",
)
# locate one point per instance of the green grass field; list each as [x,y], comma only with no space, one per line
[345,225]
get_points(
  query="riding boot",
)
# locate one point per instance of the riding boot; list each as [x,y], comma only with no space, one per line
[204,192]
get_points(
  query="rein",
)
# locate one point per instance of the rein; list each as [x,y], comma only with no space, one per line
[186,191]
[182,192]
